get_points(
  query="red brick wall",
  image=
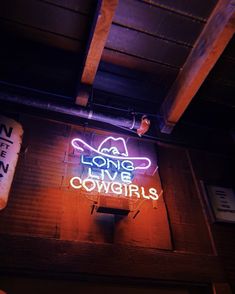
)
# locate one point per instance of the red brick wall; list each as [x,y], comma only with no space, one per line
[43,203]
[172,241]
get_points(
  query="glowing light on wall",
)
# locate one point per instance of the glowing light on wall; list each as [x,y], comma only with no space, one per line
[114,187]
[111,169]
[116,154]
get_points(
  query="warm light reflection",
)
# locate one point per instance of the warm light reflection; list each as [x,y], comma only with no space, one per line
[111,170]
[117,188]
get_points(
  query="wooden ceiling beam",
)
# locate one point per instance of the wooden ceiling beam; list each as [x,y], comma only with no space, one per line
[99,34]
[209,46]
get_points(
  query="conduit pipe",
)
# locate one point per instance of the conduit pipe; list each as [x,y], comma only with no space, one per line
[130,122]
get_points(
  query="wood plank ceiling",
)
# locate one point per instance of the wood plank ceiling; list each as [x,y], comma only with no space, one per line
[148,44]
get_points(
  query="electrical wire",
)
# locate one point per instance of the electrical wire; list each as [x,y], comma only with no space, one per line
[127,110]
[155,138]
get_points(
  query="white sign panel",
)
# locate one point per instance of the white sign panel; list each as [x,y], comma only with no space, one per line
[222,200]
[10,142]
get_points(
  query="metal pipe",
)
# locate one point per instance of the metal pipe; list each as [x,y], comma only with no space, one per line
[74,110]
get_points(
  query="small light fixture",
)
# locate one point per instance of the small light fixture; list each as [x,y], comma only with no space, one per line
[144,126]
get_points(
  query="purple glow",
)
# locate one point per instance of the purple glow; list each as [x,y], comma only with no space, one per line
[76,142]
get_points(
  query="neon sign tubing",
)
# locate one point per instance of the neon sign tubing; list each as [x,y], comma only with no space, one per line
[109,155]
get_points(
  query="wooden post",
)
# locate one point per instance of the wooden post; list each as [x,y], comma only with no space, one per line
[209,46]
[96,45]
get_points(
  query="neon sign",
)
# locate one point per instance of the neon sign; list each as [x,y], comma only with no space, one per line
[111,170]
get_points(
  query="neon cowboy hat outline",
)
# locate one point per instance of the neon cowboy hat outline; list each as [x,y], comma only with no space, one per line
[103,150]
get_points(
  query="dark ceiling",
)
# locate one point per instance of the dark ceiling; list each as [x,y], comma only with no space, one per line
[44,43]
